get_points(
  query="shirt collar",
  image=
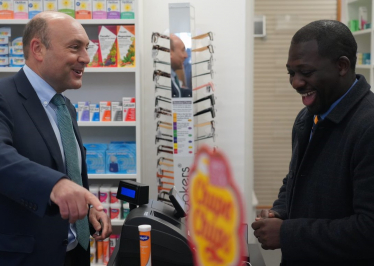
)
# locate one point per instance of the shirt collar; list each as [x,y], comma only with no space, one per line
[44,91]
[322,116]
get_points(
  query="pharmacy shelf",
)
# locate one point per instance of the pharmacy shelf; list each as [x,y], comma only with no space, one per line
[106,124]
[86,70]
[117,221]
[112,176]
[82,21]
[363,66]
[361,32]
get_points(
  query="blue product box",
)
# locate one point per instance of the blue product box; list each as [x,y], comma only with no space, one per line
[120,162]
[94,112]
[95,146]
[95,160]
[84,108]
[76,109]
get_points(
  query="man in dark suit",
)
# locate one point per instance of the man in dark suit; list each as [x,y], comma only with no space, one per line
[324,214]
[40,205]
[178,55]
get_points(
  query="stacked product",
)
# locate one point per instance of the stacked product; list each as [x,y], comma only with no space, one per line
[115,47]
[100,251]
[106,111]
[80,9]
[117,158]
[11,53]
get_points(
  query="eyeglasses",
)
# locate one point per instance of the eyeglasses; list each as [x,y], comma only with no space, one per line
[162,171]
[211,73]
[164,148]
[209,61]
[156,35]
[162,87]
[160,161]
[201,49]
[209,86]
[208,136]
[157,61]
[161,98]
[156,48]
[162,111]
[210,109]
[162,124]
[212,123]
[209,97]
[202,36]
[158,73]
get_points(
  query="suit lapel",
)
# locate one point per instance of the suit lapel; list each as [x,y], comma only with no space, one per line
[39,117]
[303,129]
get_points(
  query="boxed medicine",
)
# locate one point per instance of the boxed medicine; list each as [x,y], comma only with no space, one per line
[127,9]
[6,9]
[93,51]
[113,7]
[95,160]
[117,111]
[35,7]
[99,9]
[108,45]
[94,112]
[120,162]
[105,114]
[126,45]
[83,9]
[129,111]
[67,7]
[21,10]
[50,5]
[84,111]
[362,16]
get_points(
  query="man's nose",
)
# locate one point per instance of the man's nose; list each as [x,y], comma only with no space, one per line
[297,81]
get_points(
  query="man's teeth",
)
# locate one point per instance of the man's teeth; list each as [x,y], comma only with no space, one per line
[78,71]
[307,94]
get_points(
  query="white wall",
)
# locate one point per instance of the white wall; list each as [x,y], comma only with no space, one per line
[231,22]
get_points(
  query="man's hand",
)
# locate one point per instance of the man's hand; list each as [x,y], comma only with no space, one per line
[267,232]
[267,214]
[73,200]
[101,222]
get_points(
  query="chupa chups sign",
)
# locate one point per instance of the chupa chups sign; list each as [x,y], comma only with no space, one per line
[215,218]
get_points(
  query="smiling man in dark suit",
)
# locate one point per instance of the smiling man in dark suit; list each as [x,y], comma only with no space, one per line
[324,214]
[44,199]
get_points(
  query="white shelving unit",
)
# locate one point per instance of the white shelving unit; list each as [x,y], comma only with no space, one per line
[364,38]
[102,84]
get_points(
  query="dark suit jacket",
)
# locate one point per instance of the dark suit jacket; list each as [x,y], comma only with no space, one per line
[327,198]
[32,231]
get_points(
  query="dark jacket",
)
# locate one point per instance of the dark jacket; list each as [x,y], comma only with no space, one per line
[327,198]
[32,231]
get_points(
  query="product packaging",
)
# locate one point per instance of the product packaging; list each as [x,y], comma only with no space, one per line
[5,31]
[113,7]
[94,53]
[35,7]
[99,9]
[115,210]
[4,50]
[94,189]
[6,9]
[67,7]
[50,5]
[126,45]
[84,114]
[129,112]
[83,9]
[112,244]
[104,195]
[120,162]
[362,16]
[106,251]
[127,9]
[4,40]
[99,251]
[106,208]
[145,244]
[105,114]
[117,111]
[113,195]
[96,146]
[95,161]
[16,61]
[76,109]
[4,61]
[21,10]
[94,112]
[92,255]
[125,209]
[108,45]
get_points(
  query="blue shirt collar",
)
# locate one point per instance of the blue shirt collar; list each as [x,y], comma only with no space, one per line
[322,116]
[44,91]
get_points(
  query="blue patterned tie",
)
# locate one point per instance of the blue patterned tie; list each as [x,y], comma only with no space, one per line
[65,126]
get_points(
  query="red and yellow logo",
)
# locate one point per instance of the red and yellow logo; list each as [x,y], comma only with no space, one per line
[216,217]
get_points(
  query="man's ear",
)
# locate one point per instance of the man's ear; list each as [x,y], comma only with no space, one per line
[344,65]
[37,49]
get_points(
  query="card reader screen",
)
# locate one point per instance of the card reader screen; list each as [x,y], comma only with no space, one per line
[128,192]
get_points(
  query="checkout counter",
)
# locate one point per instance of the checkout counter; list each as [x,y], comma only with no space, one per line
[169,246]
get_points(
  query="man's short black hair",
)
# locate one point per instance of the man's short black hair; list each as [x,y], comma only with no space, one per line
[334,39]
